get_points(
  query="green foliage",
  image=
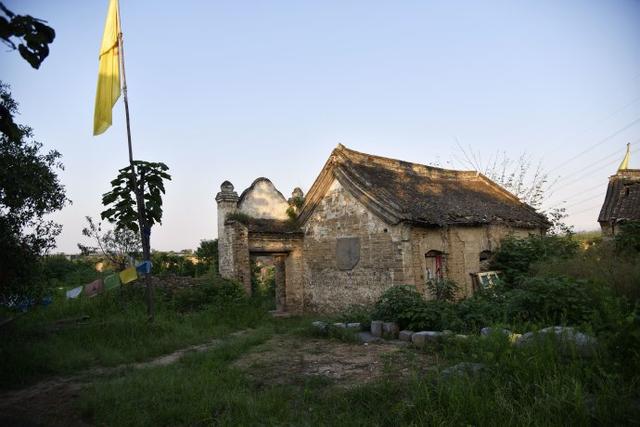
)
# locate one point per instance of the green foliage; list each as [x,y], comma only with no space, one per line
[628,238]
[240,217]
[30,190]
[149,180]
[35,35]
[557,300]
[515,256]
[396,304]
[443,289]
[207,254]
[58,271]
[436,315]
[218,293]
[601,264]
[117,330]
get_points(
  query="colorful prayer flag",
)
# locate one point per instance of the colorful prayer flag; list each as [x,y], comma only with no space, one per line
[128,275]
[112,281]
[74,293]
[93,288]
[144,267]
[108,90]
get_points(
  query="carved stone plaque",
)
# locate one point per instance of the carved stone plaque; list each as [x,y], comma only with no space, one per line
[347,252]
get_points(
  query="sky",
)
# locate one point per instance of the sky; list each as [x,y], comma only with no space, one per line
[235,90]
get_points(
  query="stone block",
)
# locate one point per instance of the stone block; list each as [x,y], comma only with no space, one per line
[423,338]
[376,328]
[390,330]
[405,335]
[340,325]
[354,325]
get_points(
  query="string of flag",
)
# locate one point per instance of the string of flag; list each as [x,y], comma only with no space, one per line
[110,282]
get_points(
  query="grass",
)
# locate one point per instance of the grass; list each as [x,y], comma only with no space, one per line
[116,332]
[518,387]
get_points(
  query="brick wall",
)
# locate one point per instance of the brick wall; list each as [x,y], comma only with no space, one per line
[385,257]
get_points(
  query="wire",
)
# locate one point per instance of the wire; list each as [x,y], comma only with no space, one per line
[594,170]
[602,141]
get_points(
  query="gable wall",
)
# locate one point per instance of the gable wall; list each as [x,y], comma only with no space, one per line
[385,256]
[263,200]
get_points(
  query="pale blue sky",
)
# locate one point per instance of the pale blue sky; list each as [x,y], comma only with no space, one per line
[240,89]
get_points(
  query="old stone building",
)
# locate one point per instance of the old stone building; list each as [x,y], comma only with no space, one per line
[367,223]
[622,202]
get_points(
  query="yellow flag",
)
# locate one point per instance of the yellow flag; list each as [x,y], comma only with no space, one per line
[108,90]
[128,275]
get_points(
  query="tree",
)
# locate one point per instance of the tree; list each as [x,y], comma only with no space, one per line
[522,177]
[135,203]
[30,189]
[207,253]
[34,34]
[117,245]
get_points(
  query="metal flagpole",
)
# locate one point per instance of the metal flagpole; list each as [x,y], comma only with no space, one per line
[138,188]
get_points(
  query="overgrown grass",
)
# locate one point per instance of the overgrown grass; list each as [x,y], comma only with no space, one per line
[116,332]
[517,387]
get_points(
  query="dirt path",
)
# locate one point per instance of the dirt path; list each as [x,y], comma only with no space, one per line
[52,402]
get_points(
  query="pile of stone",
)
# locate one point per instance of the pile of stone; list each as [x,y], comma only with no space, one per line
[569,339]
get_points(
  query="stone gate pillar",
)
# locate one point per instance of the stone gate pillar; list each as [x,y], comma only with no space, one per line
[227,200]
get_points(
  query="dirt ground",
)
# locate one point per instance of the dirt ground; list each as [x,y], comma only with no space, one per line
[289,359]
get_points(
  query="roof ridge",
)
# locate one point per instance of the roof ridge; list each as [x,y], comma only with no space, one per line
[347,152]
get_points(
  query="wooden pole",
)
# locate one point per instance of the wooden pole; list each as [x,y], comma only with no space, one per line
[138,187]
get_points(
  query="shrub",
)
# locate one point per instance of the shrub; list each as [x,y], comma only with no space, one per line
[431,315]
[515,256]
[443,289]
[397,304]
[478,311]
[555,300]
[600,265]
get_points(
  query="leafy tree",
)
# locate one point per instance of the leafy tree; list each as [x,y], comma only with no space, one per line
[34,34]
[30,189]
[207,253]
[135,203]
[117,245]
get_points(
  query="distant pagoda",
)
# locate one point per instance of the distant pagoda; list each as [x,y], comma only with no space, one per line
[622,202]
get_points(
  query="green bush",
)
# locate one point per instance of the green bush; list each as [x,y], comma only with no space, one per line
[431,315]
[443,289]
[555,300]
[397,304]
[478,311]
[515,256]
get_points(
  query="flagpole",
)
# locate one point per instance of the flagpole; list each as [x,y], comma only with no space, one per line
[145,233]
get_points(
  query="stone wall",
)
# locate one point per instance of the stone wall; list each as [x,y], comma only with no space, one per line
[384,257]
[461,246]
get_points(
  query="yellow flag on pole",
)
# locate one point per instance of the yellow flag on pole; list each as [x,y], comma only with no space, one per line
[108,90]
